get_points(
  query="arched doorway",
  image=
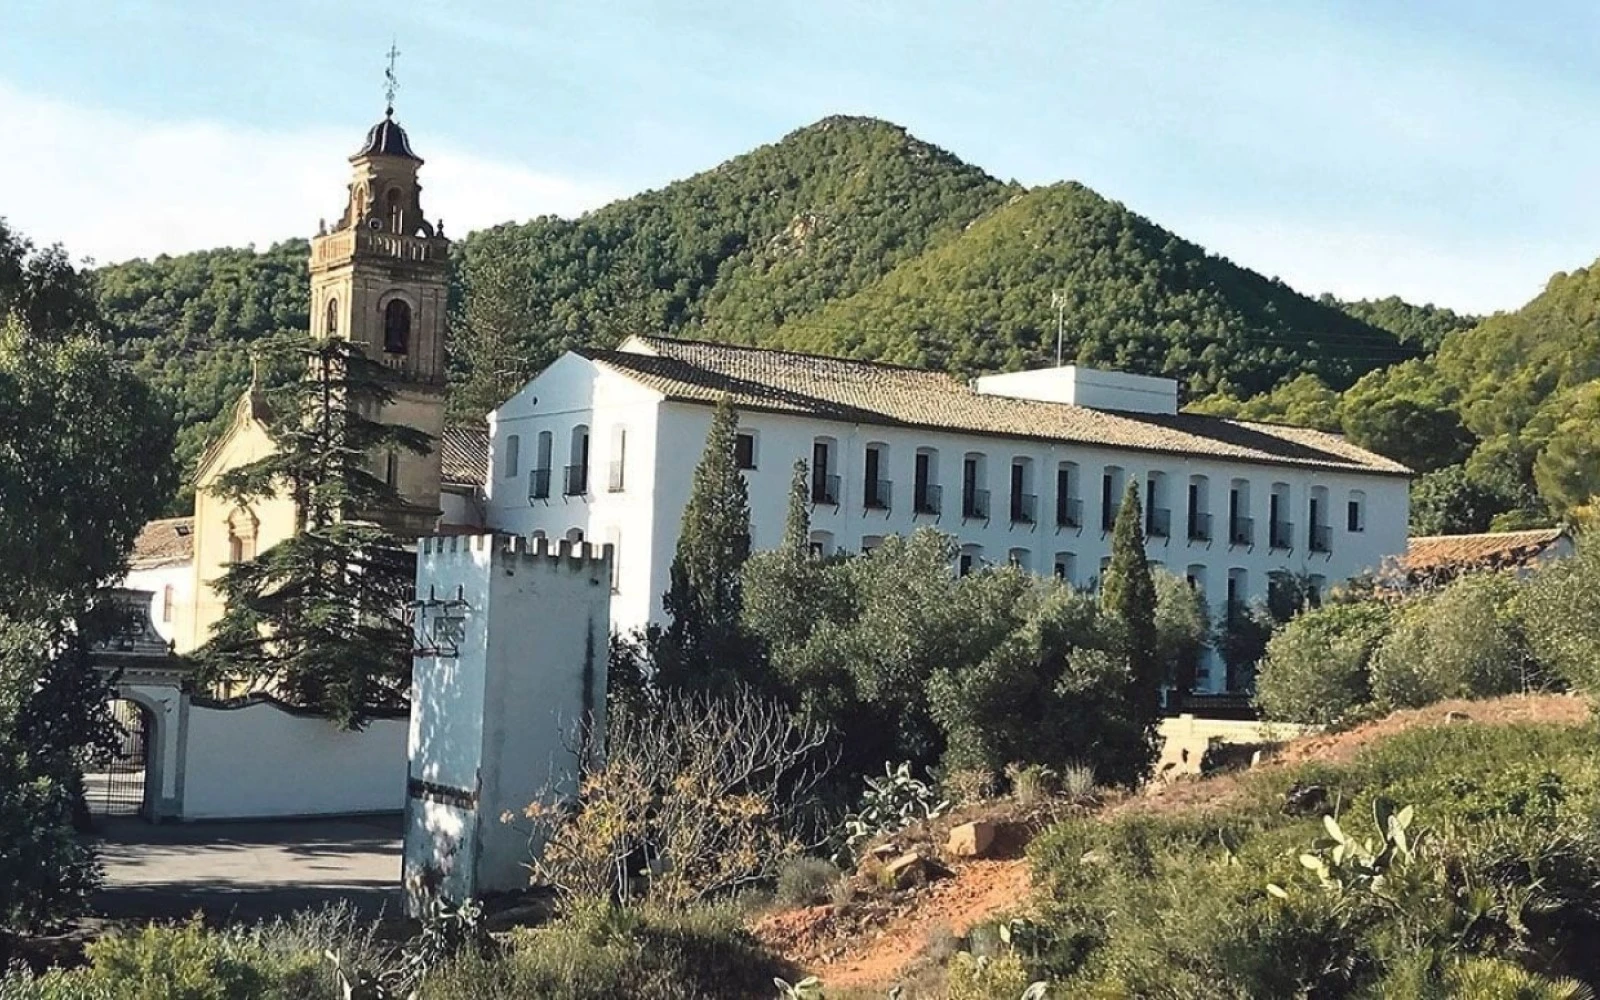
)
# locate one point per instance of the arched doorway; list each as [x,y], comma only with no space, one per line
[114,776]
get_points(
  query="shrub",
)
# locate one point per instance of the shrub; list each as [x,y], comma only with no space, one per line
[1032,783]
[806,881]
[180,962]
[1316,667]
[1000,978]
[1562,617]
[1464,643]
[888,805]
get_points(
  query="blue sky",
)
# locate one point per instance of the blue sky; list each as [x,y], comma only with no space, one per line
[1443,151]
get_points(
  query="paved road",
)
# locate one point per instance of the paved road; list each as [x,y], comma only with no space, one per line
[249,870]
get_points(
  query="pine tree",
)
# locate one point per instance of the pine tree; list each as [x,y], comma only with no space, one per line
[1128,597]
[781,587]
[319,617]
[705,645]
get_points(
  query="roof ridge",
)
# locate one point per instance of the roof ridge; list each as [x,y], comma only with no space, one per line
[788,352]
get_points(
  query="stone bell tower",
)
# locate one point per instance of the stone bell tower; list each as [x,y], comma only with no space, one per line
[380,278]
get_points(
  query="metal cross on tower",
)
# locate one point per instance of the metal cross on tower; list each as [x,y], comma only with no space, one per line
[390,82]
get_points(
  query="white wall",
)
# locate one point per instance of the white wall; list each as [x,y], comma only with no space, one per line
[157,579]
[259,760]
[647,513]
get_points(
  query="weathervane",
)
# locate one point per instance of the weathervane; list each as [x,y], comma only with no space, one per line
[390,83]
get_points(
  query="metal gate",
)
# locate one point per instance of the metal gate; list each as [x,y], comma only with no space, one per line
[114,782]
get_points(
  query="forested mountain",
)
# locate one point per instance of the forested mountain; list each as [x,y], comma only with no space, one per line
[850,237]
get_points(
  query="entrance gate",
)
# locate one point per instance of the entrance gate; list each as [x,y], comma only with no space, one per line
[114,780]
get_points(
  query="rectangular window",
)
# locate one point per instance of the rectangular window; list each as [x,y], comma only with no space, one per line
[166,603]
[744,451]
[513,456]
[1354,519]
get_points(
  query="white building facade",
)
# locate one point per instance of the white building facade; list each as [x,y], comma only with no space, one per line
[1025,468]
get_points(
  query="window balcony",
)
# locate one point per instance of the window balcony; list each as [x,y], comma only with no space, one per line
[1321,538]
[1281,535]
[538,484]
[1158,523]
[878,494]
[1023,508]
[1069,512]
[929,499]
[1199,527]
[1242,531]
[975,505]
[825,490]
[577,481]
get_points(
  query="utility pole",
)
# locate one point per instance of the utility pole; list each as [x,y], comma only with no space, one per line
[1058,302]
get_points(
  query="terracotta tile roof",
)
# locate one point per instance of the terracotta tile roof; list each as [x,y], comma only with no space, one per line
[464,454]
[166,542]
[871,393]
[1431,553]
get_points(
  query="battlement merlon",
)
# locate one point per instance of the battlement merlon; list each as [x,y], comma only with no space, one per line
[499,546]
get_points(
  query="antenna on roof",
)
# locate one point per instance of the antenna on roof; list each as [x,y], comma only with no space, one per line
[1058,302]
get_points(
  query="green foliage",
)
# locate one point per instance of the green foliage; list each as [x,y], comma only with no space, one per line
[1451,501]
[783,585]
[705,645]
[1304,401]
[1421,326]
[1567,469]
[806,881]
[1561,617]
[888,805]
[1182,629]
[1128,598]
[1316,668]
[1465,642]
[321,613]
[1408,414]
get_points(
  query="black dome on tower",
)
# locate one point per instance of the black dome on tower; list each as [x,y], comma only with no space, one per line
[387,138]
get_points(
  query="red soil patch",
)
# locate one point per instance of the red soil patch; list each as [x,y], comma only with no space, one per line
[872,943]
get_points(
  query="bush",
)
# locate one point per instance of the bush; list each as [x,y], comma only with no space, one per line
[806,881]
[1559,610]
[1316,667]
[1466,642]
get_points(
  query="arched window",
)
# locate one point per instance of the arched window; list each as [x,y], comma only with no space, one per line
[331,324]
[168,598]
[397,215]
[397,327]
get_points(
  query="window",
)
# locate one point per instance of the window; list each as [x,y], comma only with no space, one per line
[575,536]
[577,483]
[875,486]
[1317,515]
[619,458]
[241,536]
[513,459]
[1356,512]
[1241,526]
[1196,576]
[1280,529]
[397,327]
[824,484]
[974,498]
[1157,515]
[1238,590]
[822,544]
[1066,567]
[167,600]
[744,450]
[539,475]
[1199,509]
[330,324]
[1316,586]
[391,470]
[925,496]
[1023,500]
[614,539]
[1020,558]
[1110,497]
[870,542]
[1069,508]
[397,216]
[970,560]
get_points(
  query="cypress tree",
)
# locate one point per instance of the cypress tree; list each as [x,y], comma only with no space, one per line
[705,645]
[1128,597]
[319,618]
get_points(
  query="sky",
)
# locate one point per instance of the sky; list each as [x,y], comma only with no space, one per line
[1446,151]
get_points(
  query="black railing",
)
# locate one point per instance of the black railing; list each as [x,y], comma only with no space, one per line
[878,494]
[614,483]
[1321,538]
[1199,527]
[929,499]
[1023,507]
[975,504]
[1281,535]
[1069,512]
[1158,523]
[577,482]
[825,490]
[1242,531]
[538,484]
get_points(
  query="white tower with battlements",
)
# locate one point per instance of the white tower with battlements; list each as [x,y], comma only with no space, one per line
[508,692]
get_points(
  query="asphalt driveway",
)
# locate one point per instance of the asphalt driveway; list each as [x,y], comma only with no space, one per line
[249,870]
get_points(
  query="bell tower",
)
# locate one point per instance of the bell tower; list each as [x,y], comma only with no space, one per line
[380,278]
